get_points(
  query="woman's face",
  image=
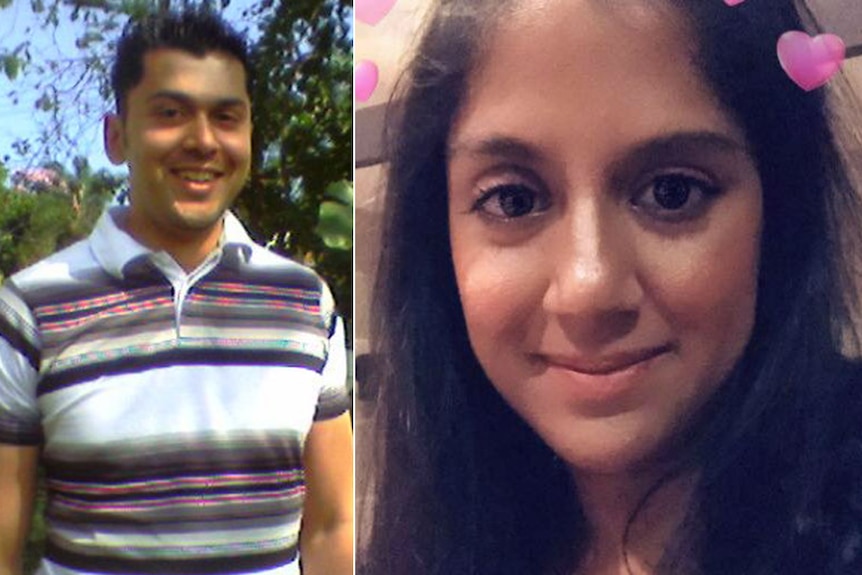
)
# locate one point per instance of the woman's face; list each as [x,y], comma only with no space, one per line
[605,219]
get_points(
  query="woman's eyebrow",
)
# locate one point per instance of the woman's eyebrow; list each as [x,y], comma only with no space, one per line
[495,147]
[686,142]
[685,146]
[676,143]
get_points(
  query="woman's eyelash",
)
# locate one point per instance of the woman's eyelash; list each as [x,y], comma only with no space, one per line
[675,196]
[668,197]
[510,201]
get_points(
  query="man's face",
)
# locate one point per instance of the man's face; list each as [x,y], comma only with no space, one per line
[186,137]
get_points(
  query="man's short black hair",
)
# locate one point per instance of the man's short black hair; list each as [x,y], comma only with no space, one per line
[197,30]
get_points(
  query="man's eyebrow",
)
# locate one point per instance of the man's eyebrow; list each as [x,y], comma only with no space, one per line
[184,98]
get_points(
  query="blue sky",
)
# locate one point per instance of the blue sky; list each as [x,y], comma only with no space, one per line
[18,24]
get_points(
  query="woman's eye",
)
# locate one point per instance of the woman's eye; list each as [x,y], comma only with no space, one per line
[510,201]
[675,197]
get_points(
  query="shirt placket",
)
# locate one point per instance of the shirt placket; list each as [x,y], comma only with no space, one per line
[183,283]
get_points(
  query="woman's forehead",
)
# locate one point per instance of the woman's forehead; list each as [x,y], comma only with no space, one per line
[627,16]
[557,70]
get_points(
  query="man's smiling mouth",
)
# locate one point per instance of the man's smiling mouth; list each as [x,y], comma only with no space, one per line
[197,176]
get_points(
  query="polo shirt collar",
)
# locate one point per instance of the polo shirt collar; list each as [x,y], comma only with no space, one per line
[117,252]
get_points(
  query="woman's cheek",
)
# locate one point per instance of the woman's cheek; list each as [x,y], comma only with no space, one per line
[499,286]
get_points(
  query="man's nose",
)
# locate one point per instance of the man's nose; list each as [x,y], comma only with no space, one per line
[200,137]
[595,290]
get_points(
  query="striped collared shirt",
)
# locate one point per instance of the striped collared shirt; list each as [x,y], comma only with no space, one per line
[171,408]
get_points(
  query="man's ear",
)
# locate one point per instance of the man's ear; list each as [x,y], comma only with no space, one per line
[115,146]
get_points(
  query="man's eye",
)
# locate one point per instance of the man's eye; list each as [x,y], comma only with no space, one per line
[510,201]
[675,197]
[227,117]
[168,113]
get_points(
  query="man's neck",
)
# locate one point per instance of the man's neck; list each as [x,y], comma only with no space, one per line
[189,249]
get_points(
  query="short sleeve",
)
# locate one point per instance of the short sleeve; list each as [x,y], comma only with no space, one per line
[20,421]
[334,398]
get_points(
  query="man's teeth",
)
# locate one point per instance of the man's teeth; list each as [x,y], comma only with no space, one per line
[197,176]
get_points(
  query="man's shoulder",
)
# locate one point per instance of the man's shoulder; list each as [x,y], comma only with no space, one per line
[68,266]
[261,264]
[269,266]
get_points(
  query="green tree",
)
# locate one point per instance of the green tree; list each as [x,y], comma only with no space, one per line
[90,192]
[37,219]
[303,132]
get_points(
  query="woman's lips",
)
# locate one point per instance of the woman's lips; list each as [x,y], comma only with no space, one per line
[606,364]
[606,381]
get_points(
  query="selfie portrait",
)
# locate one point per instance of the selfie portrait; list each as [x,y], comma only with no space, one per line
[176,308]
[608,264]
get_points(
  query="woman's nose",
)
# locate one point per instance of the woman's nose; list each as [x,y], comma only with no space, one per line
[594,288]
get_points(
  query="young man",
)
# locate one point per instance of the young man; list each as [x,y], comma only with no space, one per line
[183,386]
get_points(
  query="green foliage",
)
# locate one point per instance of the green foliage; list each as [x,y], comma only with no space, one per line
[335,223]
[48,227]
[32,226]
[15,211]
[11,66]
[36,222]
[303,121]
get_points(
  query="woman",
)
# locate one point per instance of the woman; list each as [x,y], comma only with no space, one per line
[612,299]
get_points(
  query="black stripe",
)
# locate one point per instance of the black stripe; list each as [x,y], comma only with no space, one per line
[127,471]
[305,298]
[176,357]
[288,276]
[244,488]
[194,455]
[214,566]
[288,508]
[22,345]
[333,408]
[135,297]
[86,284]
[176,531]
[215,315]
[17,437]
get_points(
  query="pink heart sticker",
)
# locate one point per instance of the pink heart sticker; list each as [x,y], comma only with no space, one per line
[733,2]
[372,11]
[810,62]
[364,80]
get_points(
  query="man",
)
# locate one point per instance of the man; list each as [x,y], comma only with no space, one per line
[183,386]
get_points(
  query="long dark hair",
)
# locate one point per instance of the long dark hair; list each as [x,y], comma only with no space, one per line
[464,486]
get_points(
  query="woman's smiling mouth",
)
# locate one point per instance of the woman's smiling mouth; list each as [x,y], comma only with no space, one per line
[602,382]
[605,364]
